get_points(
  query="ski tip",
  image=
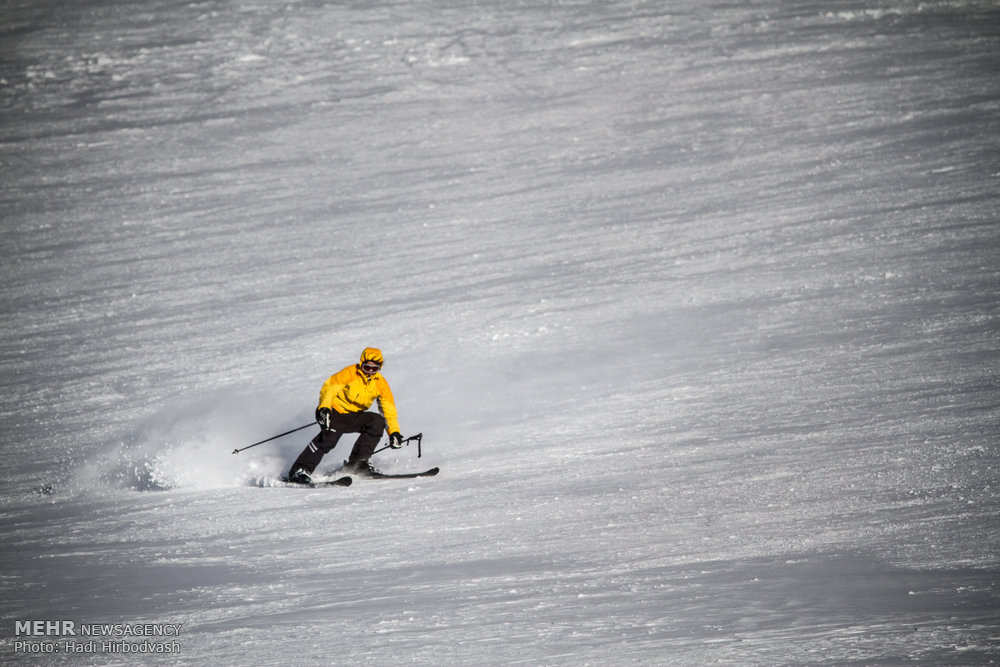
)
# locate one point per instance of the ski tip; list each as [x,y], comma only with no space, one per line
[404,475]
[340,481]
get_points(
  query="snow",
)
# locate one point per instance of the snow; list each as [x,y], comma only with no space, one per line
[695,303]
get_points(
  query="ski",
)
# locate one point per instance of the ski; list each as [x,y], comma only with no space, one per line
[404,475]
[340,481]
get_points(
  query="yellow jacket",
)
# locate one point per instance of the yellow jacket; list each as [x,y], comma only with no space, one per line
[350,390]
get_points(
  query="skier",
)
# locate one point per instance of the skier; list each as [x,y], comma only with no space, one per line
[343,404]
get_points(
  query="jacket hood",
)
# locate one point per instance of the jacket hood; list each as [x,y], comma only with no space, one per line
[372,354]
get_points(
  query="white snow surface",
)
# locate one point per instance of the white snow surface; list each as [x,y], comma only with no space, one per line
[695,303]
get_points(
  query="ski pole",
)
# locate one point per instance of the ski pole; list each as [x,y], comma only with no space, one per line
[418,437]
[280,435]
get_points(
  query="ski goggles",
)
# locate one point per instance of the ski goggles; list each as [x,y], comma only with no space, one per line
[371,368]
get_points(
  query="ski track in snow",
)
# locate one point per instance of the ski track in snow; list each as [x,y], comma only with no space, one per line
[695,303]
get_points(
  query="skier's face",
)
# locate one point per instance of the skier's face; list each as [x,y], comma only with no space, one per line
[370,368]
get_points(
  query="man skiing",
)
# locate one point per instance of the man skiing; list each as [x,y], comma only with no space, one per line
[343,404]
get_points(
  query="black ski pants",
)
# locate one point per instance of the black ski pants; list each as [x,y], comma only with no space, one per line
[369,424]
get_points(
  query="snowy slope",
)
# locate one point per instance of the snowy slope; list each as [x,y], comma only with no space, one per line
[696,305]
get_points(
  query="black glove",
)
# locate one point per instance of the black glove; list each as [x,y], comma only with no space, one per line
[323,416]
[395,440]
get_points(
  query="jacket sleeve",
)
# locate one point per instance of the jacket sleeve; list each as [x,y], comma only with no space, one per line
[333,386]
[387,407]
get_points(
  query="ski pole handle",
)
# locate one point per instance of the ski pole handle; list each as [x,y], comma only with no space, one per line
[418,437]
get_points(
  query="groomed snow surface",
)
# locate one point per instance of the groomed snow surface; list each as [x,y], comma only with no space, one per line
[695,303]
